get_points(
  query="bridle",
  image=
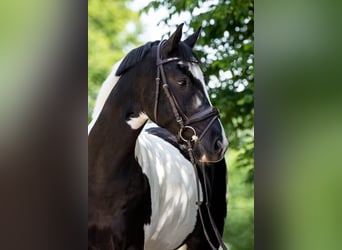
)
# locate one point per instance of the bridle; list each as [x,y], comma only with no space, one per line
[182,119]
[185,123]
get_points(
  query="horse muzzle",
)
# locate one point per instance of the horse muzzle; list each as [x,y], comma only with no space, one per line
[211,152]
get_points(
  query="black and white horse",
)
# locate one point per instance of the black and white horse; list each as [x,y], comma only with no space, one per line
[142,190]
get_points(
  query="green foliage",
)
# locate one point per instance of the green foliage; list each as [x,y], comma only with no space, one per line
[239,227]
[108,40]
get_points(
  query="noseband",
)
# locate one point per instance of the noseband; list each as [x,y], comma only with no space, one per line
[183,120]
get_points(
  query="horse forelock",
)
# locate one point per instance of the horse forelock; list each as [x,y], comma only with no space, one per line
[182,50]
[185,53]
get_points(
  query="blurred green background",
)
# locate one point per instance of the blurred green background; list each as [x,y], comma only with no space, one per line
[227,55]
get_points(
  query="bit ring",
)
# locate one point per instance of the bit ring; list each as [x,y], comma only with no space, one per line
[193,138]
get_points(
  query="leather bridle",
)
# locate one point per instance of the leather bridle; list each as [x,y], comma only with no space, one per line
[182,119]
[185,123]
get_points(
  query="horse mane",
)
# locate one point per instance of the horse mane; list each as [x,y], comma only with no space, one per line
[137,55]
[133,57]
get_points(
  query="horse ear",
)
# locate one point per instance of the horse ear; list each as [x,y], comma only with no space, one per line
[174,39]
[191,40]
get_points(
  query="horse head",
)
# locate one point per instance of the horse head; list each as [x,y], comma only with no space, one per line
[171,90]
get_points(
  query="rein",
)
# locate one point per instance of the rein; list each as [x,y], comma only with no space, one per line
[184,123]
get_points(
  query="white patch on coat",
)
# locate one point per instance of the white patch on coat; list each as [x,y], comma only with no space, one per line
[137,122]
[198,74]
[184,247]
[103,94]
[198,102]
[173,192]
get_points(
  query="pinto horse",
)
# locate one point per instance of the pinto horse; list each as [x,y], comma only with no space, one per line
[122,212]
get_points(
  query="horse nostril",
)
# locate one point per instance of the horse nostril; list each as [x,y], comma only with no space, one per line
[218,146]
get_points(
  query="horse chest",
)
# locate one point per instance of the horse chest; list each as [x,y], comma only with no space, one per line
[173,192]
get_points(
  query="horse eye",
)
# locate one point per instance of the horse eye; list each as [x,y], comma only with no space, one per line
[181,82]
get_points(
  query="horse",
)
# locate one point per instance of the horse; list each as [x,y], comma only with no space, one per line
[147,155]
[120,208]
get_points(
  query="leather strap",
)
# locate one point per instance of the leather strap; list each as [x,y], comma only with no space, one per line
[200,116]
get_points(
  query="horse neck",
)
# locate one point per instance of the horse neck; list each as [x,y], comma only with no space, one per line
[111,142]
